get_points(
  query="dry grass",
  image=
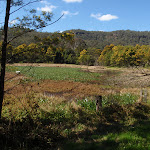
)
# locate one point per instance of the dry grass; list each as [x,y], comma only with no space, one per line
[40,118]
[68,89]
[128,77]
[113,80]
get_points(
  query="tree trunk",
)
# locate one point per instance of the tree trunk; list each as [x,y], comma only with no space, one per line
[98,103]
[3,59]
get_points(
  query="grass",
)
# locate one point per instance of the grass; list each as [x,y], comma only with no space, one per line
[124,99]
[36,122]
[56,73]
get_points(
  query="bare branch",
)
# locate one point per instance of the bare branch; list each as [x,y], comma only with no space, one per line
[36,29]
[25,5]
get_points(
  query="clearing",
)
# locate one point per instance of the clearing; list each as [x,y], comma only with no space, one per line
[52,106]
[89,81]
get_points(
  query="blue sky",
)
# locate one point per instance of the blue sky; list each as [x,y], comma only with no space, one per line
[93,15]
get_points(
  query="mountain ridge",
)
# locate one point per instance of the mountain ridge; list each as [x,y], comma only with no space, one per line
[96,39]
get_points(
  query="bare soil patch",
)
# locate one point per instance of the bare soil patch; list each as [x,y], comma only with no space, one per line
[113,80]
[67,89]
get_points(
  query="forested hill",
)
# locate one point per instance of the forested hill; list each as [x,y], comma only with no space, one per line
[100,39]
[94,39]
[27,38]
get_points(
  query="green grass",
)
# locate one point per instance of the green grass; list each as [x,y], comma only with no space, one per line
[42,124]
[126,140]
[123,99]
[56,73]
[38,122]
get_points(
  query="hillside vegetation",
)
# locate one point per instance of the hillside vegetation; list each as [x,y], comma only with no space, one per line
[94,39]
[126,48]
[100,39]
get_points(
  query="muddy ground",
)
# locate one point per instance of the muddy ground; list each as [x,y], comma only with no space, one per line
[113,80]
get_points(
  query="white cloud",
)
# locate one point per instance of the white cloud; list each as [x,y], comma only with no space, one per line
[106,17]
[72,1]
[47,7]
[67,13]
[45,2]
[12,22]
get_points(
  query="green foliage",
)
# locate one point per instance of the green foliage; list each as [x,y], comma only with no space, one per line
[55,73]
[65,48]
[91,39]
[106,54]
[69,56]
[89,56]
[125,55]
[83,57]
[87,104]
[9,51]
[56,48]
[99,39]
[42,122]
[121,99]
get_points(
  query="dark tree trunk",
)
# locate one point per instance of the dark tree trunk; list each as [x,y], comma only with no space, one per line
[3,59]
[98,103]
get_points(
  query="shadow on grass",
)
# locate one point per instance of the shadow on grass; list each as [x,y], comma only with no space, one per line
[25,135]
[105,145]
[81,130]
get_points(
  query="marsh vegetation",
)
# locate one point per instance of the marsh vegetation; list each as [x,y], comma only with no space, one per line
[54,108]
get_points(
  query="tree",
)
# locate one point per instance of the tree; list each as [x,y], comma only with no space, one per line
[18,52]
[28,24]
[106,54]
[3,59]
[94,55]
[85,58]
[118,56]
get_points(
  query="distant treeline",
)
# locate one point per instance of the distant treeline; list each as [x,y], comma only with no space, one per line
[100,39]
[66,48]
[57,48]
[92,39]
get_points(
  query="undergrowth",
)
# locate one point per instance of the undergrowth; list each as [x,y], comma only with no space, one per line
[39,122]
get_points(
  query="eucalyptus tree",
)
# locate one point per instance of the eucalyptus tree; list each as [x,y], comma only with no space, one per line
[24,24]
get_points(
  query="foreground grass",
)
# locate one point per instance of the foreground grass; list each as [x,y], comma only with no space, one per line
[37,122]
[57,73]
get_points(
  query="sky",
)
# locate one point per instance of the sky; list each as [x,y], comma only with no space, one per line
[91,15]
